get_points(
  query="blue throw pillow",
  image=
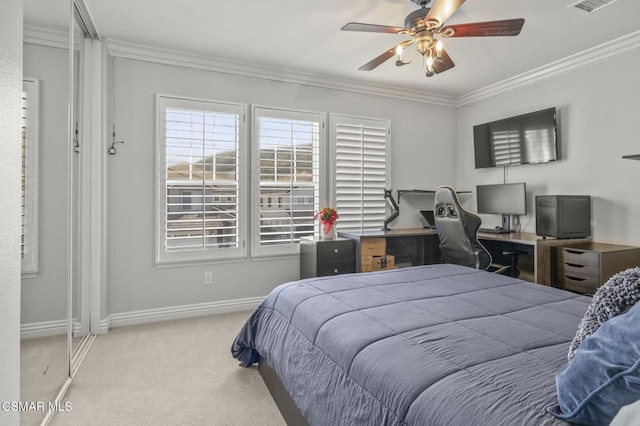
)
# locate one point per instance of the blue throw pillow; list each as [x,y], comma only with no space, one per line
[604,375]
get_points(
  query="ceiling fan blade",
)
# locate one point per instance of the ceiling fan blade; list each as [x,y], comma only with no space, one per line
[446,63]
[442,10]
[380,59]
[372,28]
[507,27]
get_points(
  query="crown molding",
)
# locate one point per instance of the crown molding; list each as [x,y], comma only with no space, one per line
[46,37]
[49,37]
[582,59]
[126,50]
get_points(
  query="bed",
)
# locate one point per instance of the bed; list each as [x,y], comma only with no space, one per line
[426,345]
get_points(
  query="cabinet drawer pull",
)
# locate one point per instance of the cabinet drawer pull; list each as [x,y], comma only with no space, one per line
[574,265]
[573,251]
[335,270]
[574,278]
[335,250]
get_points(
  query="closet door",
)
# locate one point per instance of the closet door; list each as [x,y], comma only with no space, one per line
[56,313]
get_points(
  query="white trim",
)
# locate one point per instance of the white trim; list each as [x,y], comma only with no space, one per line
[200,255]
[46,37]
[126,50]
[585,58]
[42,329]
[257,111]
[51,328]
[179,312]
[92,188]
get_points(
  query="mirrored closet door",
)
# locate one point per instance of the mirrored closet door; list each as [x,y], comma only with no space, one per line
[56,328]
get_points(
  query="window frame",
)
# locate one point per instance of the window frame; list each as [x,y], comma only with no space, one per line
[335,120]
[208,255]
[30,249]
[257,111]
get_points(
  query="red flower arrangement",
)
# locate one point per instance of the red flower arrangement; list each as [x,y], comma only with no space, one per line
[328,217]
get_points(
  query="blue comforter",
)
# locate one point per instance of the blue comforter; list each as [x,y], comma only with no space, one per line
[427,345]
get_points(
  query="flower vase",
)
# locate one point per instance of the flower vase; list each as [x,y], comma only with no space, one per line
[330,235]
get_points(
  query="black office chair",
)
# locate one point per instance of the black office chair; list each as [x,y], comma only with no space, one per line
[457,230]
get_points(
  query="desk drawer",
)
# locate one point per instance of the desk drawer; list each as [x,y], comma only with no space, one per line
[591,272]
[578,257]
[580,285]
[578,270]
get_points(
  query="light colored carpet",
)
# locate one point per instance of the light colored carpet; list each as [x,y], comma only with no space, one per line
[43,370]
[168,373]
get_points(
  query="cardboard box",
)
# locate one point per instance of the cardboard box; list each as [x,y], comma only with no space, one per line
[384,262]
[366,263]
[373,246]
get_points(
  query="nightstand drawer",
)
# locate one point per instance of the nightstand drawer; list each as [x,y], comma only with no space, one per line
[336,268]
[335,251]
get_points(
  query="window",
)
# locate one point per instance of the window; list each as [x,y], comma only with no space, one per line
[200,188]
[29,217]
[287,150]
[360,171]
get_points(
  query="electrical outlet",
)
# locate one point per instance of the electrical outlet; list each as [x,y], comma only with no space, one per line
[208,277]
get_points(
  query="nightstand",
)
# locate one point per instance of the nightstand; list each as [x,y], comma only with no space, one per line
[319,258]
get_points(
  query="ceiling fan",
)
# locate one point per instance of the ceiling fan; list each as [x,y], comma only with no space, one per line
[423,25]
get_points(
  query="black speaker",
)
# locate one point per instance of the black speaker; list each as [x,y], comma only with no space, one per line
[563,216]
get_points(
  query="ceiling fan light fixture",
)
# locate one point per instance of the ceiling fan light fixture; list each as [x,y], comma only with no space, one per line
[426,23]
[439,48]
[428,65]
[400,62]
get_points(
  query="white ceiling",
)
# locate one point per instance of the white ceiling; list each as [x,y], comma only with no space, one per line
[305,36]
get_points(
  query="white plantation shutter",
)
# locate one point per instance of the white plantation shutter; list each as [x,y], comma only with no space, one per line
[287,177]
[29,217]
[200,183]
[361,172]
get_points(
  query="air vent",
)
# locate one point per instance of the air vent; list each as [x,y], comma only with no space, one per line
[590,6]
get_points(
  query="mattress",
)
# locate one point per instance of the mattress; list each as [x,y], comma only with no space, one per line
[426,345]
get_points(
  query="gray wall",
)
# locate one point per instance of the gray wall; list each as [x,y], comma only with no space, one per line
[134,282]
[10,131]
[430,145]
[44,297]
[598,124]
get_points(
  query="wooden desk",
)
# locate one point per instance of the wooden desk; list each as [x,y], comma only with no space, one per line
[419,246]
[412,246]
[539,247]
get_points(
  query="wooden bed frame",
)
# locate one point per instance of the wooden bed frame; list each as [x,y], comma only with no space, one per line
[287,407]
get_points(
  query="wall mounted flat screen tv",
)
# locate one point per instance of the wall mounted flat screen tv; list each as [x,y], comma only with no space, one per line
[524,139]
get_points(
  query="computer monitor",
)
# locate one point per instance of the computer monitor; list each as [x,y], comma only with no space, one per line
[505,199]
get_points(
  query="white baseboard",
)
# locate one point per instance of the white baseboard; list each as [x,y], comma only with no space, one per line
[178,312]
[50,328]
[42,329]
